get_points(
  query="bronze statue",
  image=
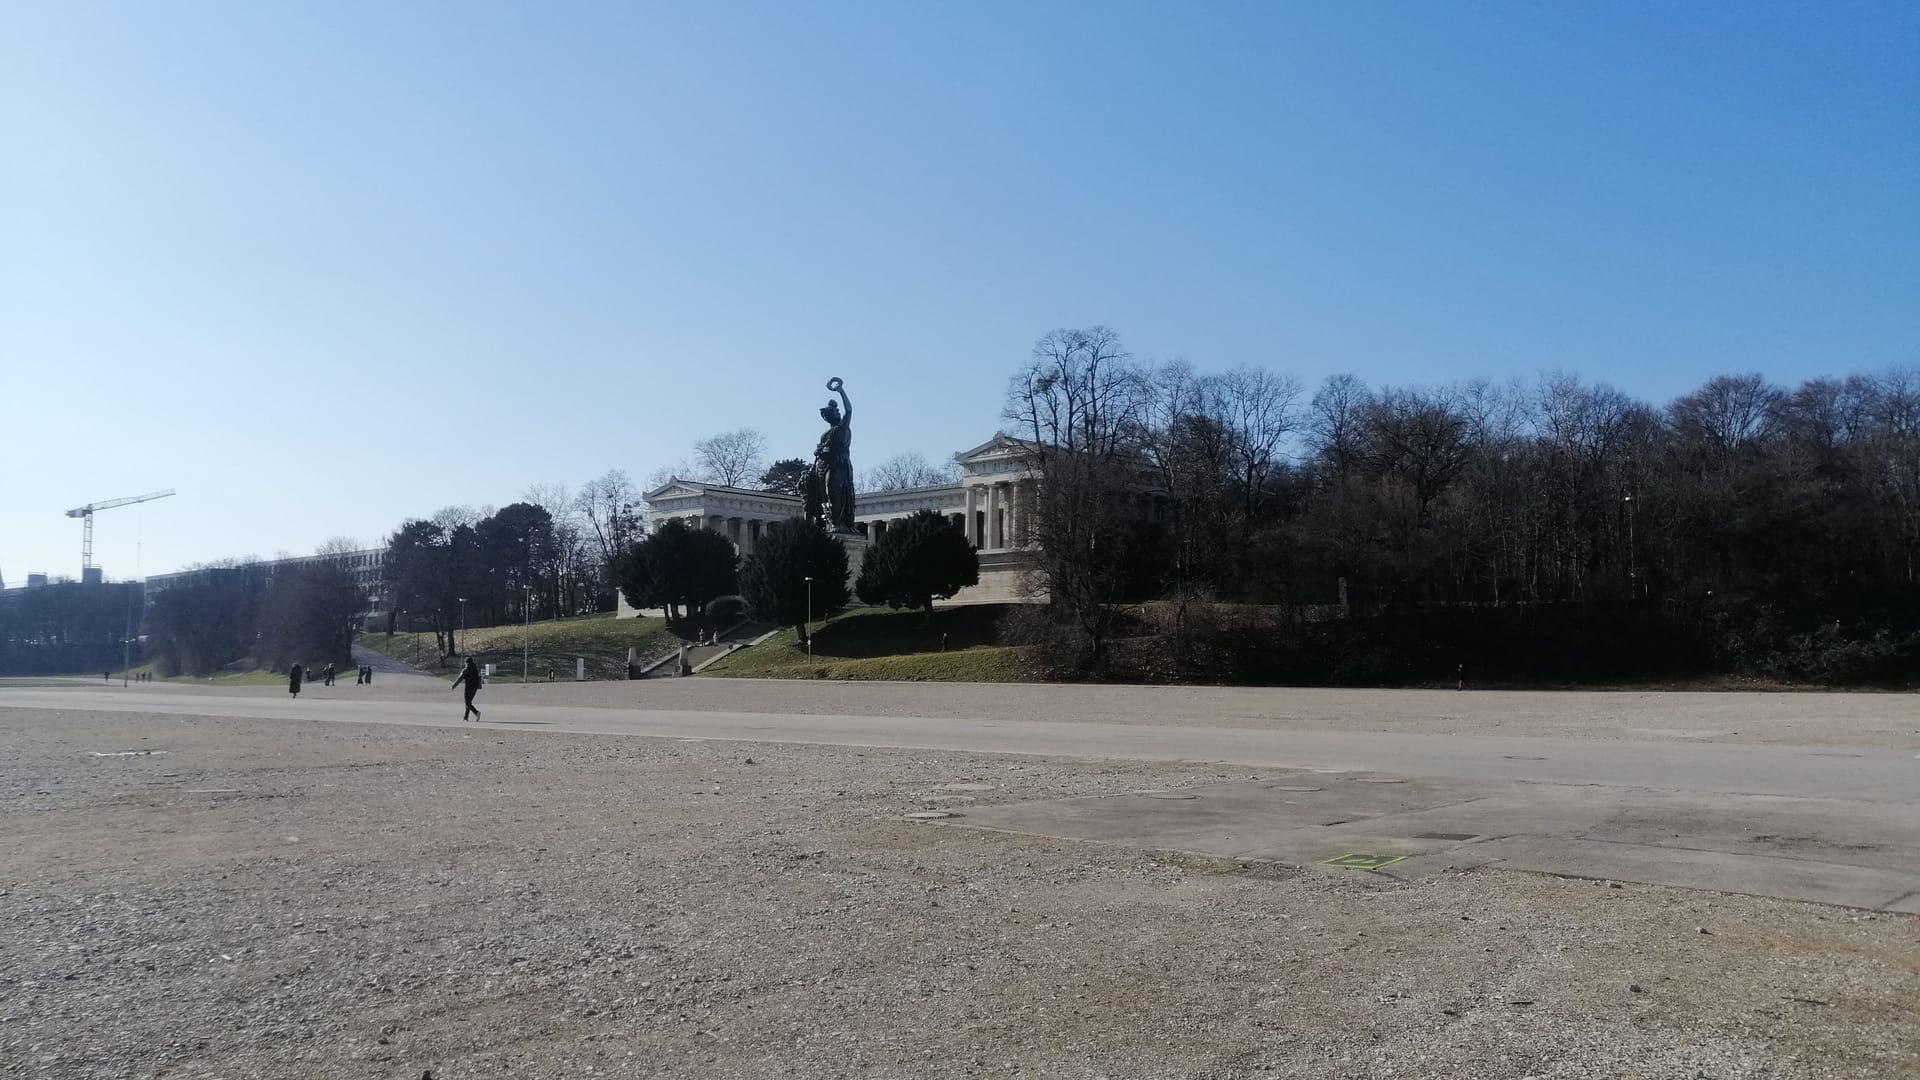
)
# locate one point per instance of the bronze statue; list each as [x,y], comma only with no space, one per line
[829,494]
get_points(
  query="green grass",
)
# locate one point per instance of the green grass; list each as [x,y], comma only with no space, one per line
[553,644]
[879,644]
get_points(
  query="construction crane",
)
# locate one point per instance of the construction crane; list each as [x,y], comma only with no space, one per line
[85,514]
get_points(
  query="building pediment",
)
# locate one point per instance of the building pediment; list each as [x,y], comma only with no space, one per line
[1001,445]
[675,489]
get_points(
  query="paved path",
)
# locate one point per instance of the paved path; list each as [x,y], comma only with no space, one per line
[1834,823]
[382,664]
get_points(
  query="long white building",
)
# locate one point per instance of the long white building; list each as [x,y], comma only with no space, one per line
[991,503]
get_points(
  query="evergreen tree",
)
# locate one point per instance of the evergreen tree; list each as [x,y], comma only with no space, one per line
[916,561]
[678,567]
[788,476]
[774,579]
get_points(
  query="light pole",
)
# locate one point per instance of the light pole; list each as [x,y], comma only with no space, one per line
[463,623]
[1633,569]
[809,614]
[526,643]
[126,643]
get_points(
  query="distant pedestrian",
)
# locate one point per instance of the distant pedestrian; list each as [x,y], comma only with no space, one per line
[328,672]
[107,675]
[470,678]
[293,680]
[369,674]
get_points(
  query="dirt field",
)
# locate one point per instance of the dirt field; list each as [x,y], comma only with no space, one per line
[319,900]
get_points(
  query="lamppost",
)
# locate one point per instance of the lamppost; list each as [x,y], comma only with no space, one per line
[1633,568]
[809,614]
[126,643]
[463,623]
[526,643]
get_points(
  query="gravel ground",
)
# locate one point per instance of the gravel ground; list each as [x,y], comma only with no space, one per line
[322,900]
[1848,719]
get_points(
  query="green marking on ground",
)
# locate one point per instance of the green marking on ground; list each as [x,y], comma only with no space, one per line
[1361,861]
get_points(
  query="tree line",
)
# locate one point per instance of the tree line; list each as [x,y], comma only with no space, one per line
[1743,528]
[276,614]
[67,627]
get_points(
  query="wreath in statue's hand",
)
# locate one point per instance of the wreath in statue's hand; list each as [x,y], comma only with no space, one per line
[834,384]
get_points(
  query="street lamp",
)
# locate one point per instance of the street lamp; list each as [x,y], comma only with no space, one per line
[809,614]
[1633,567]
[526,643]
[463,623]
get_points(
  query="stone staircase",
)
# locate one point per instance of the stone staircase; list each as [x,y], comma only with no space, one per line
[729,639]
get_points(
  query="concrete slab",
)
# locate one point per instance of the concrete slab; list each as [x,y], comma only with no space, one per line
[1824,850]
[1757,875]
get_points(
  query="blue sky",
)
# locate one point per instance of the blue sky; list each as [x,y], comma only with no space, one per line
[323,267]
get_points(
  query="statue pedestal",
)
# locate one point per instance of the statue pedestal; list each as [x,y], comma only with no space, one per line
[856,546]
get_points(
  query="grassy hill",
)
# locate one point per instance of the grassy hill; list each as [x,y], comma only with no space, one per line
[553,644]
[880,644]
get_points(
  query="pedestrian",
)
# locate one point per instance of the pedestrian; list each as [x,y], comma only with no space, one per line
[469,677]
[369,674]
[293,680]
[107,675]
[329,673]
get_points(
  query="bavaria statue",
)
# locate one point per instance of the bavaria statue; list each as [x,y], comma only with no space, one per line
[830,480]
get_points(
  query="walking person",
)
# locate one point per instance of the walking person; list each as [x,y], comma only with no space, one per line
[470,677]
[369,674]
[293,680]
[329,673]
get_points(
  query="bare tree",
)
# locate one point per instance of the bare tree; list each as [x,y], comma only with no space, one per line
[1080,404]
[567,578]
[335,546]
[449,517]
[733,458]
[610,506]
[666,474]
[908,470]
[1256,409]
[1336,421]
[1728,413]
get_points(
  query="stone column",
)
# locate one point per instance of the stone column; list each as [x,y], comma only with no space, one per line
[1016,514]
[973,503]
[995,538]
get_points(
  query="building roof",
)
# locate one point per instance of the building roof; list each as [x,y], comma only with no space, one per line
[701,487]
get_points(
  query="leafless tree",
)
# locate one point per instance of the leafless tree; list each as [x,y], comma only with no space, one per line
[1080,404]
[666,474]
[610,506]
[1256,409]
[1336,421]
[907,470]
[450,517]
[1728,413]
[734,458]
[568,578]
[335,546]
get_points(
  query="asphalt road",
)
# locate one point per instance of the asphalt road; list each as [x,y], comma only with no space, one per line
[1833,823]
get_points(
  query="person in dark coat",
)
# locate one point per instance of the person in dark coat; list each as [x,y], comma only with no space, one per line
[369,674]
[470,678]
[293,680]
